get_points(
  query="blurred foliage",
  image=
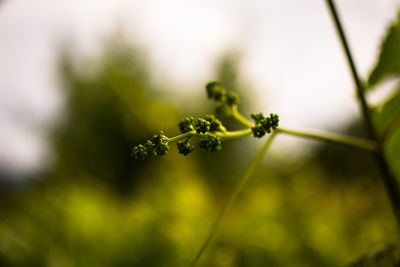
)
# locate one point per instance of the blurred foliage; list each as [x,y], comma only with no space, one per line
[327,156]
[387,114]
[97,207]
[387,120]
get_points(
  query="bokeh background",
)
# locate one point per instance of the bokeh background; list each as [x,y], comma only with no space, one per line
[82,82]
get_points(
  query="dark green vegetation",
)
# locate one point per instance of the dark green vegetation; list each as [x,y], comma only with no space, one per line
[97,207]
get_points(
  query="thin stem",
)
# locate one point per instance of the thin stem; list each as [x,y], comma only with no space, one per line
[181,137]
[238,189]
[320,135]
[357,81]
[234,134]
[224,134]
[332,138]
[389,180]
[240,118]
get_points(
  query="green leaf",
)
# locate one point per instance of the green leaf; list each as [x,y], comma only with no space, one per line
[392,151]
[385,257]
[387,120]
[386,114]
[388,63]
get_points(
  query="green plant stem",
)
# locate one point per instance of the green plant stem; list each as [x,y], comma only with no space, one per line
[332,138]
[240,118]
[238,189]
[335,138]
[224,135]
[181,137]
[389,180]
[357,81]
[234,134]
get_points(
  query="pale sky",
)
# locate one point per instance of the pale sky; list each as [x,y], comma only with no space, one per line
[290,54]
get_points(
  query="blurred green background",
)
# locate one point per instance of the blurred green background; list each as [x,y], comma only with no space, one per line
[95,206]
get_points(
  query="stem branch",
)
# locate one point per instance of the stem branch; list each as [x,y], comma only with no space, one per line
[234,134]
[332,138]
[240,118]
[238,189]
[181,136]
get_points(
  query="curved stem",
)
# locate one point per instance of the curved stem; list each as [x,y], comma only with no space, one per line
[332,138]
[389,179]
[181,137]
[240,118]
[238,189]
[234,134]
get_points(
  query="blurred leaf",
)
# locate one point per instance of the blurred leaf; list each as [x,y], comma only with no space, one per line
[387,121]
[385,257]
[389,58]
[392,150]
[388,112]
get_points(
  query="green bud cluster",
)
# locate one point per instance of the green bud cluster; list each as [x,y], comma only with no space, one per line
[158,145]
[210,142]
[263,124]
[186,125]
[140,152]
[208,130]
[215,91]
[208,124]
[232,99]
[215,124]
[225,99]
[185,147]
[202,125]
